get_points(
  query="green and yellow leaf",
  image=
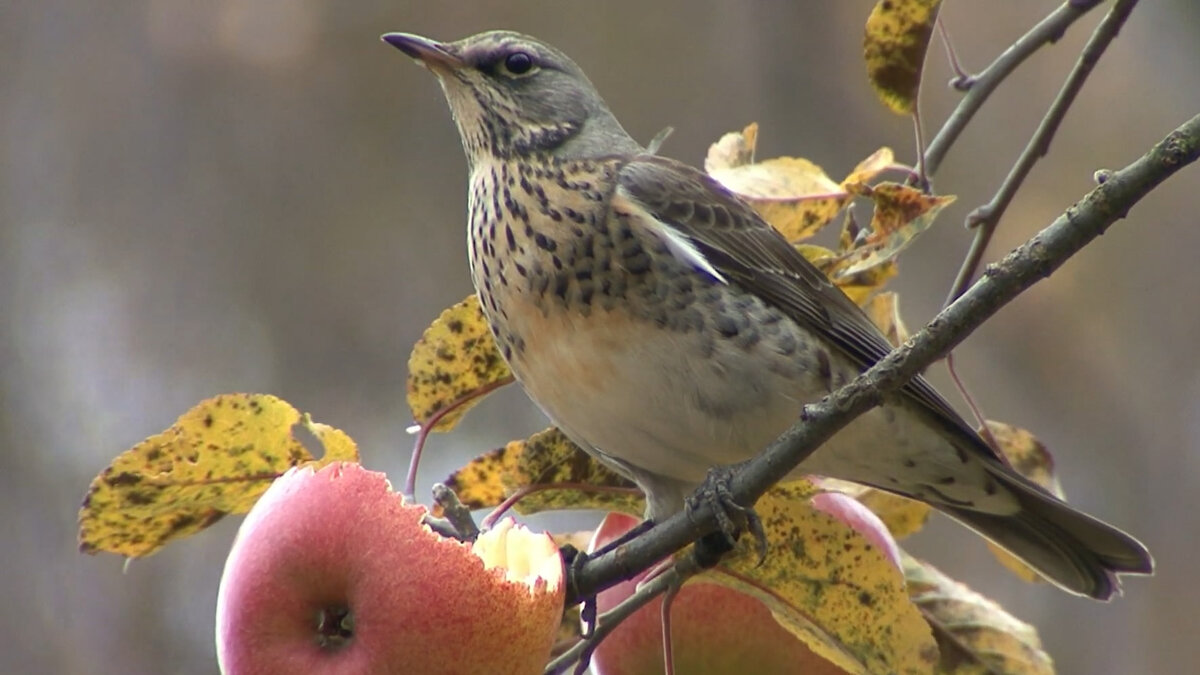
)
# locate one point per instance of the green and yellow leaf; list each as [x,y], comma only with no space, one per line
[556,473]
[453,366]
[894,45]
[218,458]
[828,585]
[974,634]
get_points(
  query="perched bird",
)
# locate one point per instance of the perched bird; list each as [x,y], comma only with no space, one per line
[666,328]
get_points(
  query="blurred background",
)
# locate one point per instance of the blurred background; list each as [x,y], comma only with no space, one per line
[208,197]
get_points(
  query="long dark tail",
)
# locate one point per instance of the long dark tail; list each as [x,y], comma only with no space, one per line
[1075,551]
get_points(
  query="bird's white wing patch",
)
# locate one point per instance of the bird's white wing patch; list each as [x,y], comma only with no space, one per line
[677,242]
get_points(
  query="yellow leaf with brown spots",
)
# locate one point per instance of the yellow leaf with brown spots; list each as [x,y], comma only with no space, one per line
[830,586]
[902,516]
[901,213]
[974,634]
[894,45]
[792,194]
[1031,459]
[218,458]
[555,471]
[453,366]
[860,286]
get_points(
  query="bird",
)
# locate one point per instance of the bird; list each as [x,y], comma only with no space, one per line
[667,329]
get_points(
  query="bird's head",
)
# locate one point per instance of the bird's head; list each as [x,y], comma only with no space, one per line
[512,95]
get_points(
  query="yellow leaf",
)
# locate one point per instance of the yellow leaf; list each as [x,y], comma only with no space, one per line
[901,213]
[792,194]
[733,149]
[884,311]
[1031,459]
[860,286]
[974,634]
[894,46]
[879,161]
[453,366]
[561,475]
[217,458]
[830,587]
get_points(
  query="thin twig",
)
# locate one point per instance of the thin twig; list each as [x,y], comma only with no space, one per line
[985,218]
[962,81]
[1003,282]
[683,569]
[1048,31]
[456,512]
[410,480]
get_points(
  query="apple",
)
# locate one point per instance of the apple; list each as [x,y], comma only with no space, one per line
[332,572]
[715,630]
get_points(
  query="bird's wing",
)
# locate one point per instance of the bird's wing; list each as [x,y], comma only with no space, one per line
[736,245]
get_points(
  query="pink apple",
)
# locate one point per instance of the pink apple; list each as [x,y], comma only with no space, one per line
[332,572]
[715,630]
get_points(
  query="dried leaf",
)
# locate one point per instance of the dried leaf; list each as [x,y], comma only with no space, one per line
[453,366]
[894,45]
[218,458]
[573,479]
[860,286]
[734,149]
[974,634]
[879,161]
[901,213]
[792,194]
[830,587]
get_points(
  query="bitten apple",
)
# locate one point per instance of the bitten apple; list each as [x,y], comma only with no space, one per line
[332,572]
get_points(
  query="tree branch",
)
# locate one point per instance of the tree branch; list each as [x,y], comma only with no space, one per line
[987,217]
[1048,31]
[1001,283]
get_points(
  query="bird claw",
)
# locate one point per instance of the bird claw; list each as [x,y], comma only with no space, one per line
[732,518]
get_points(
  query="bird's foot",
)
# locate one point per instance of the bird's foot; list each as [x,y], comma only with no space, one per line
[732,518]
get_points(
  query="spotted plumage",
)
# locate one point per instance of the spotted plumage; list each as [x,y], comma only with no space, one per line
[665,328]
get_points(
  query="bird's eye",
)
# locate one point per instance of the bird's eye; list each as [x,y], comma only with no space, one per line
[518,63]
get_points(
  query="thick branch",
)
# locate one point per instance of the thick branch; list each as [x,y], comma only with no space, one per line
[1001,283]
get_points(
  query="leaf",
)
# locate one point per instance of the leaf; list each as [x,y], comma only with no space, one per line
[218,458]
[732,150]
[894,45]
[884,311]
[879,161]
[562,474]
[901,213]
[830,587]
[453,366]
[859,287]
[1031,459]
[792,194]
[974,634]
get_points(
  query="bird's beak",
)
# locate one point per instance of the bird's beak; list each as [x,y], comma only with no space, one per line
[433,55]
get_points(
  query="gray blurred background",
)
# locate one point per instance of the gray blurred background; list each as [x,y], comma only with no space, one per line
[207,197]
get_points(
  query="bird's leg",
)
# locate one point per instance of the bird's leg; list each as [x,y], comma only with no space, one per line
[732,518]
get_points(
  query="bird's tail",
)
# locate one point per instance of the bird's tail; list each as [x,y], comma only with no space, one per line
[1073,550]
